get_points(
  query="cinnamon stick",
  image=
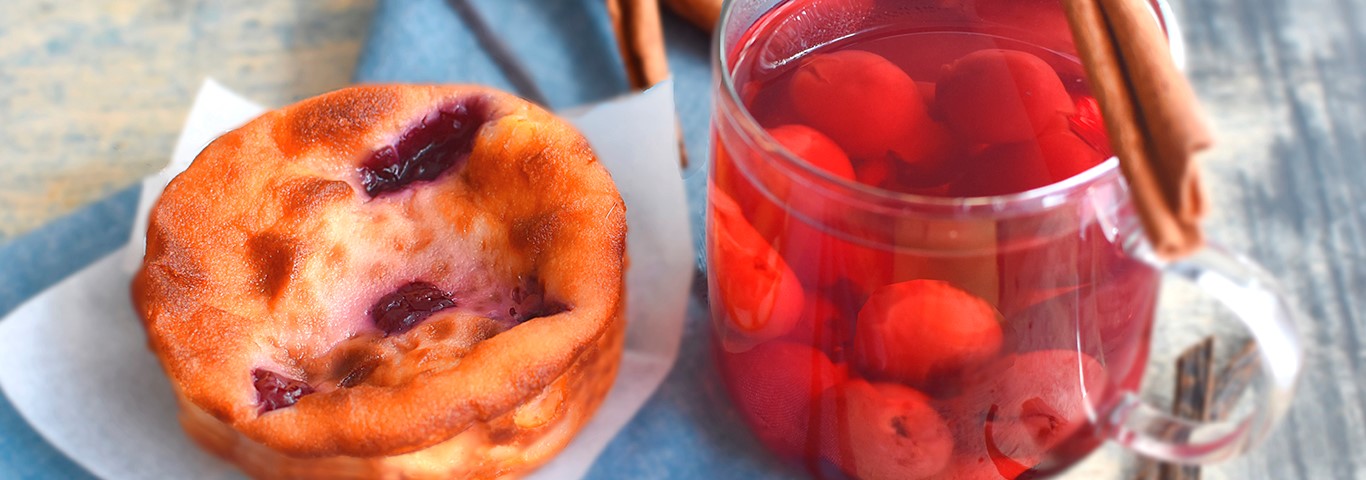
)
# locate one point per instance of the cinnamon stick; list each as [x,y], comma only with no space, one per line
[640,40]
[702,13]
[1234,379]
[1151,114]
[1192,399]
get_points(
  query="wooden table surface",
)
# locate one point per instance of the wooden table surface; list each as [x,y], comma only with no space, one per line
[1285,82]
[92,94]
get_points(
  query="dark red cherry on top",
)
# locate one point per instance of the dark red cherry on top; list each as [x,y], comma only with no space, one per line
[275,391]
[402,309]
[426,150]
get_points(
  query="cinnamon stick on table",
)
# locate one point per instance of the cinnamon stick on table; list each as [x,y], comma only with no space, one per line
[1194,397]
[1202,394]
[640,39]
[1151,114]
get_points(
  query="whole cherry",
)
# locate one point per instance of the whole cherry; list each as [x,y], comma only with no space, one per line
[814,147]
[915,331]
[756,295]
[775,385]
[889,431]
[1001,96]
[862,101]
[1038,401]
[275,391]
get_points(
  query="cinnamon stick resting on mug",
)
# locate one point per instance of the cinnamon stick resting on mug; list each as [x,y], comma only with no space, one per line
[1151,114]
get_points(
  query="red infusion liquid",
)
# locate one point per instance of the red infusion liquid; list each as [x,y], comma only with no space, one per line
[966,356]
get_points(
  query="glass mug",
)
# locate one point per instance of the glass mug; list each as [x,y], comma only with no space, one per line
[989,322]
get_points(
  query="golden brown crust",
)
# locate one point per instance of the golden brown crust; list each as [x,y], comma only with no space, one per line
[267,251]
[505,447]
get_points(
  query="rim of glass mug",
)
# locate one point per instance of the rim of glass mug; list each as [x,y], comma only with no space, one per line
[1029,201]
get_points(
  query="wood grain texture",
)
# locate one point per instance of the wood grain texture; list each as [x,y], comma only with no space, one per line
[1285,83]
[93,93]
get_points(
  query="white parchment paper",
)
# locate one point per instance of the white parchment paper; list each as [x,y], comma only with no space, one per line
[74,362]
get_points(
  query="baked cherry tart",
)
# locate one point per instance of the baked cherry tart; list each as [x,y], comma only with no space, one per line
[389,282]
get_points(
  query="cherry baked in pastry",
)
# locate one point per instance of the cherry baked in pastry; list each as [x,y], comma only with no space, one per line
[389,281]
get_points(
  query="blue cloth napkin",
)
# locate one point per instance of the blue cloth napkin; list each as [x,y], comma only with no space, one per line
[28,265]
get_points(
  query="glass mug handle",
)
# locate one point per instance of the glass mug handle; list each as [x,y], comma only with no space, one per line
[1252,296]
